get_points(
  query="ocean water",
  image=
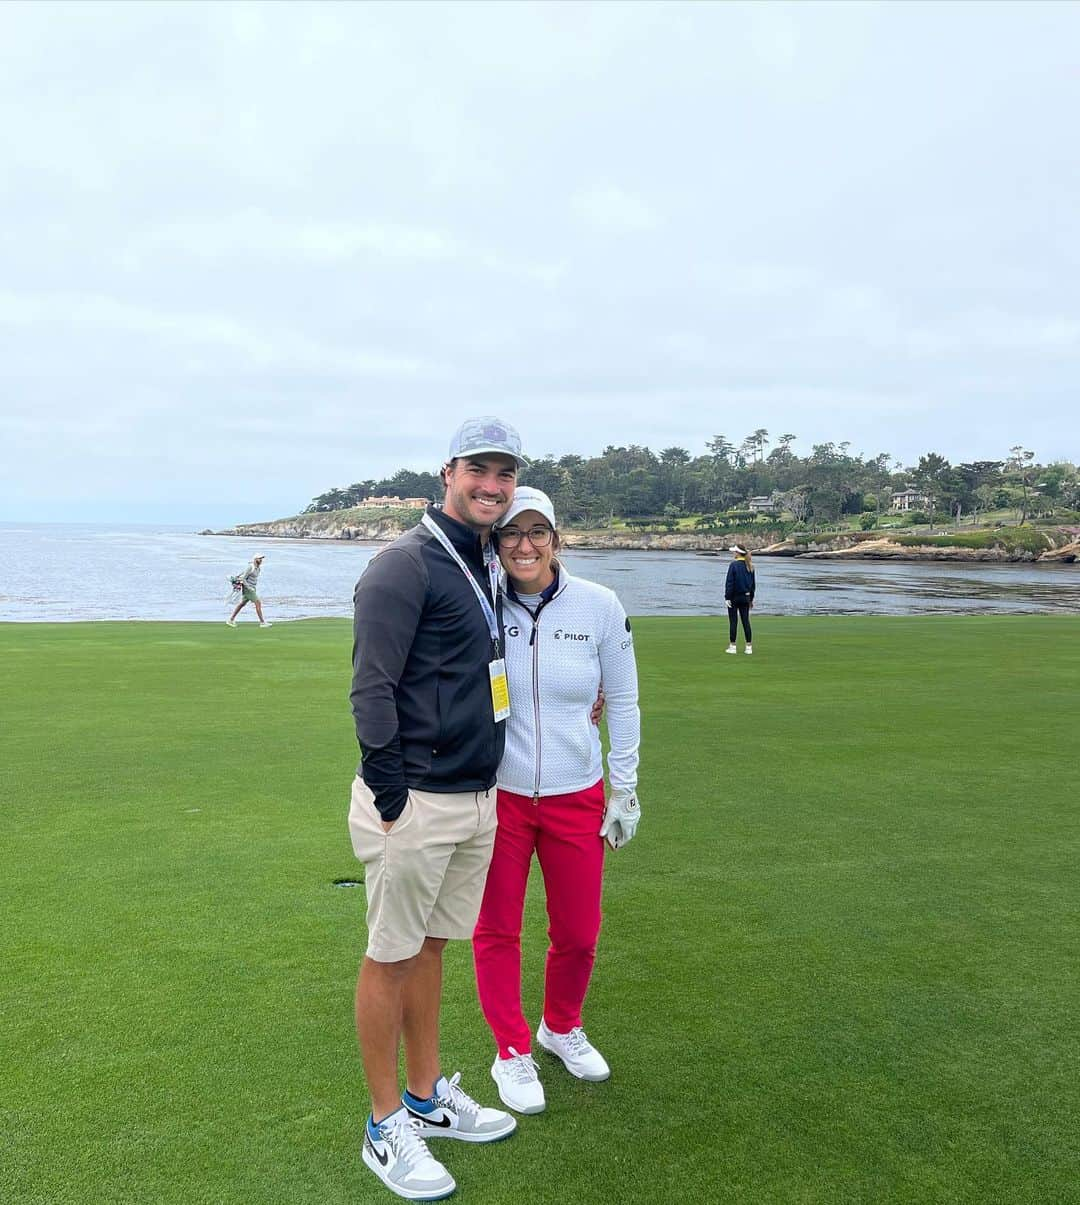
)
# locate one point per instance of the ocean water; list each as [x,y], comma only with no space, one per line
[54,572]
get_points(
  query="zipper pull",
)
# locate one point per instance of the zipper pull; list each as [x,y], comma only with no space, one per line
[536,800]
[532,638]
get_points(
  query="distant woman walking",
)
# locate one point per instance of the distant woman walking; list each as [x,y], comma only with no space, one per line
[739,593]
[245,582]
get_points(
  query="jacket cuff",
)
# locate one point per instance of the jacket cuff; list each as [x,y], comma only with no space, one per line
[390,802]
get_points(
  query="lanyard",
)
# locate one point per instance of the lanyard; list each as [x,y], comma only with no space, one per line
[493,577]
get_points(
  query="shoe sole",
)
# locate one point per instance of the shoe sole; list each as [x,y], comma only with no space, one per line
[526,1111]
[409,1195]
[589,1079]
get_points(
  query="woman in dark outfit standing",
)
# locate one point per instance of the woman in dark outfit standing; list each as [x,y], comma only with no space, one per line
[739,593]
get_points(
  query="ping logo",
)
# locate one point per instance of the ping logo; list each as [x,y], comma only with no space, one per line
[559,634]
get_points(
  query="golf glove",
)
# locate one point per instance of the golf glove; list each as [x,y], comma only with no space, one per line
[620,818]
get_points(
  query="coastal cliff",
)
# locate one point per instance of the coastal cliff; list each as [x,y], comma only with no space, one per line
[1002,546]
[355,523]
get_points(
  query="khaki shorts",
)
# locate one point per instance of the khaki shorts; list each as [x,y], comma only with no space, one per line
[425,877]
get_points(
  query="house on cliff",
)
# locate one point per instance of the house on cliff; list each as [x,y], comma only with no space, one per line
[909,499]
[388,502]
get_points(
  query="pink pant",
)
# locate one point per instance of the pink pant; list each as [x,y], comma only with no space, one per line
[564,832]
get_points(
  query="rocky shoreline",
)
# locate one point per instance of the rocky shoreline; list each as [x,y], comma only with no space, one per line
[884,549]
[1061,545]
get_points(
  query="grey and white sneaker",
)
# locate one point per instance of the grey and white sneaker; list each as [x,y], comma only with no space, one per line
[731,649]
[749,650]
[401,1160]
[579,1056]
[519,1084]
[454,1114]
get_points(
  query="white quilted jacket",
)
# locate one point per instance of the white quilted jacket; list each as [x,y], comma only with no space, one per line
[554,666]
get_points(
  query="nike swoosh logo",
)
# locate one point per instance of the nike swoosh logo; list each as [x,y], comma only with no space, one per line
[426,1118]
[383,1159]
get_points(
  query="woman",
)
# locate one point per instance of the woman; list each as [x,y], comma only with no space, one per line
[563,636]
[246,582]
[739,592]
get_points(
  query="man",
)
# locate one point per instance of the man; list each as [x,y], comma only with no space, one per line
[429,700]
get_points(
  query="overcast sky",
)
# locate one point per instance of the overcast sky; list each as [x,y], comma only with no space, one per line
[249,252]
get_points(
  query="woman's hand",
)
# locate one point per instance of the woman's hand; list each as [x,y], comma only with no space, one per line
[620,818]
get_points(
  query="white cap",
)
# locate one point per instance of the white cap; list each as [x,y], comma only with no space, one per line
[527,498]
[737,548]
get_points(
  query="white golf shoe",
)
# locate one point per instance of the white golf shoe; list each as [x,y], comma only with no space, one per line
[731,649]
[749,650]
[267,624]
[230,623]
[401,1160]
[579,1056]
[452,1113]
[519,1084]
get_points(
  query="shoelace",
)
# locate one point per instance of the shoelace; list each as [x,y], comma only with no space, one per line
[457,1098]
[577,1041]
[404,1140]
[523,1067]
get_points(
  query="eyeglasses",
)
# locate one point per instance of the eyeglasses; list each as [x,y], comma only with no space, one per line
[511,537]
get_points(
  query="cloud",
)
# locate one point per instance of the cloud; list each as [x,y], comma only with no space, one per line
[257,236]
[260,349]
[613,210]
[325,233]
[260,235]
[999,331]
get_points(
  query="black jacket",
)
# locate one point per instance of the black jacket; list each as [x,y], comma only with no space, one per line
[740,582]
[421,692]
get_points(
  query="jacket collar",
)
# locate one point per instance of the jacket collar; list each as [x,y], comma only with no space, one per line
[549,592]
[463,537]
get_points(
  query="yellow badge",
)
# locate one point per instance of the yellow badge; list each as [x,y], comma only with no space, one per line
[500,692]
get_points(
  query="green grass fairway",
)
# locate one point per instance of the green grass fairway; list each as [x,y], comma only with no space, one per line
[840,963]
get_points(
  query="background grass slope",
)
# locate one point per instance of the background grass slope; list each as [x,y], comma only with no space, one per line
[839,963]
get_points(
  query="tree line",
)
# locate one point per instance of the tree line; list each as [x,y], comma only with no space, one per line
[641,486]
